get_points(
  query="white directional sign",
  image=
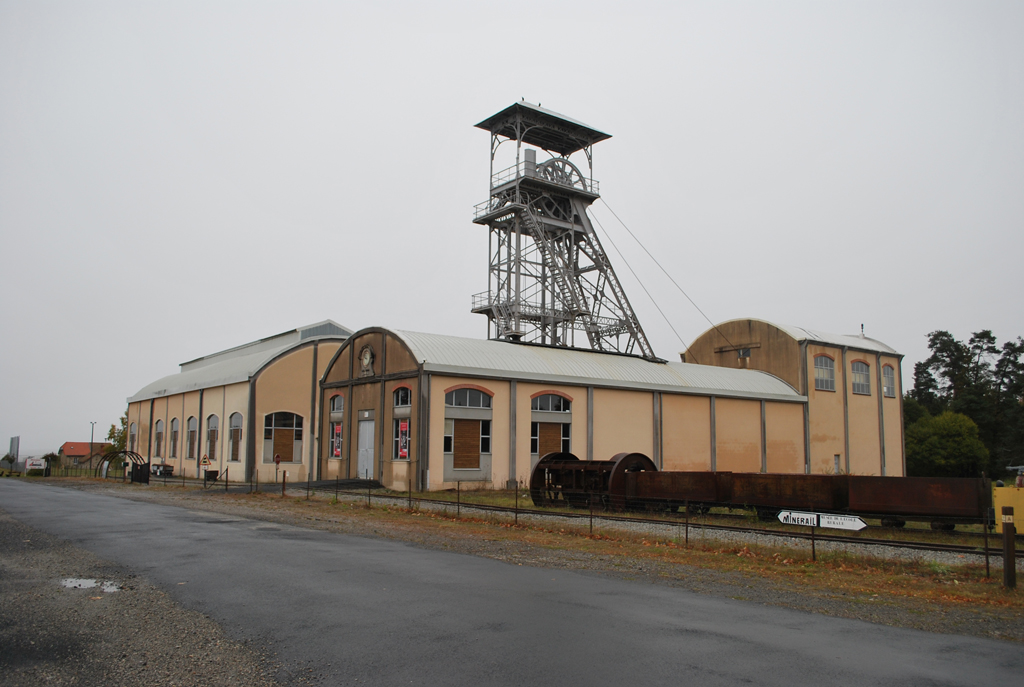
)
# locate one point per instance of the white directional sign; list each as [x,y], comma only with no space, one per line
[836,522]
[841,522]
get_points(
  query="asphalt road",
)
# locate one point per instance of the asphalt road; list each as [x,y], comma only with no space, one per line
[369,611]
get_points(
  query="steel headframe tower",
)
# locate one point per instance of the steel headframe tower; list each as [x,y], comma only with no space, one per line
[549,277]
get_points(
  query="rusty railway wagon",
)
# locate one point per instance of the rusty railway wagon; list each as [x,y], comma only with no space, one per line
[631,481]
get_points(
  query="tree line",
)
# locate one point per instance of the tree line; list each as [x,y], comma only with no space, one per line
[965,415]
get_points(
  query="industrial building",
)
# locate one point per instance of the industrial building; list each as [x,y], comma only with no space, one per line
[206,409]
[565,366]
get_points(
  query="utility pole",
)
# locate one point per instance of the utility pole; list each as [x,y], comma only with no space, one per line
[92,433]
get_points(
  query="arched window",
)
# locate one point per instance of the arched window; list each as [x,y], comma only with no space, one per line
[889,381]
[192,427]
[212,427]
[235,437]
[824,373]
[132,436]
[173,448]
[403,397]
[467,429]
[158,438]
[282,436]
[552,403]
[467,398]
[550,433]
[861,378]
[337,427]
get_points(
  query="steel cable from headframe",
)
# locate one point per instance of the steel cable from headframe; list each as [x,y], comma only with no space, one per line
[674,282]
[630,268]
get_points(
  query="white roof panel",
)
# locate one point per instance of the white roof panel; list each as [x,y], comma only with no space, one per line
[481,357]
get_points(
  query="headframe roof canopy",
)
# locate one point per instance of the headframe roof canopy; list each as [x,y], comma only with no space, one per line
[544,128]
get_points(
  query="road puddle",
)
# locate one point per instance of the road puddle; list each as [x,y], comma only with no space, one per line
[86,583]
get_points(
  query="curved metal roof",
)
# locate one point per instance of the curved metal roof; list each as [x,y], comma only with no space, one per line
[856,341]
[237,364]
[486,358]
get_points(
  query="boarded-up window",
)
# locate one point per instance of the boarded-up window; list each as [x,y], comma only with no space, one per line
[193,428]
[174,438]
[466,445]
[212,431]
[235,436]
[158,439]
[282,436]
[550,437]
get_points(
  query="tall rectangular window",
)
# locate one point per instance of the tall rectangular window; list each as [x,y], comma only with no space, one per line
[824,373]
[889,381]
[861,378]
[401,439]
[449,436]
[485,436]
[173,449]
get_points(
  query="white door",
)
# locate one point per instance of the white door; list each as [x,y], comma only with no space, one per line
[365,465]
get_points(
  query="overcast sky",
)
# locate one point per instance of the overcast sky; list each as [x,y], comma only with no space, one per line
[177,178]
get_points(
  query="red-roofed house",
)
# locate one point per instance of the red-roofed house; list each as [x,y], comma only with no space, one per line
[82,452]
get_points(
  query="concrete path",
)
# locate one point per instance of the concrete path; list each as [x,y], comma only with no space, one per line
[368,611]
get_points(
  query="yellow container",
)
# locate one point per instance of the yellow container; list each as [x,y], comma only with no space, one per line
[1008,496]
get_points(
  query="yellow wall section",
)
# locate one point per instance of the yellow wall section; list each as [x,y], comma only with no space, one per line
[827,422]
[865,449]
[893,425]
[784,434]
[578,433]
[284,385]
[623,422]
[738,435]
[686,432]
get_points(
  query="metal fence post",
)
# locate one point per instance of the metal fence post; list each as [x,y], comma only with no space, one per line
[984,528]
[591,500]
[226,479]
[309,476]
[284,482]
[814,553]
[458,499]
[517,503]
[1009,553]
[687,509]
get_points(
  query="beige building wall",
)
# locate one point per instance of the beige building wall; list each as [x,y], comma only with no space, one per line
[213,405]
[623,422]
[737,435]
[784,437]
[827,420]
[893,419]
[686,432]
[500,405]
[159,413]
[525,391]
[865,449]
[235,399]
[285,385]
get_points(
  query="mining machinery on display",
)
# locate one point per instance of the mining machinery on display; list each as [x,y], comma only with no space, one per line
[550,281]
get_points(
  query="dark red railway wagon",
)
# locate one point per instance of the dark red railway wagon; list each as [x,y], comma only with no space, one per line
[949,497]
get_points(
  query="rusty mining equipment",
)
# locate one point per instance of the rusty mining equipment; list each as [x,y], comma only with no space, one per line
[631,481]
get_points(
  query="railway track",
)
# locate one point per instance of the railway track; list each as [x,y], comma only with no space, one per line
[674,522]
